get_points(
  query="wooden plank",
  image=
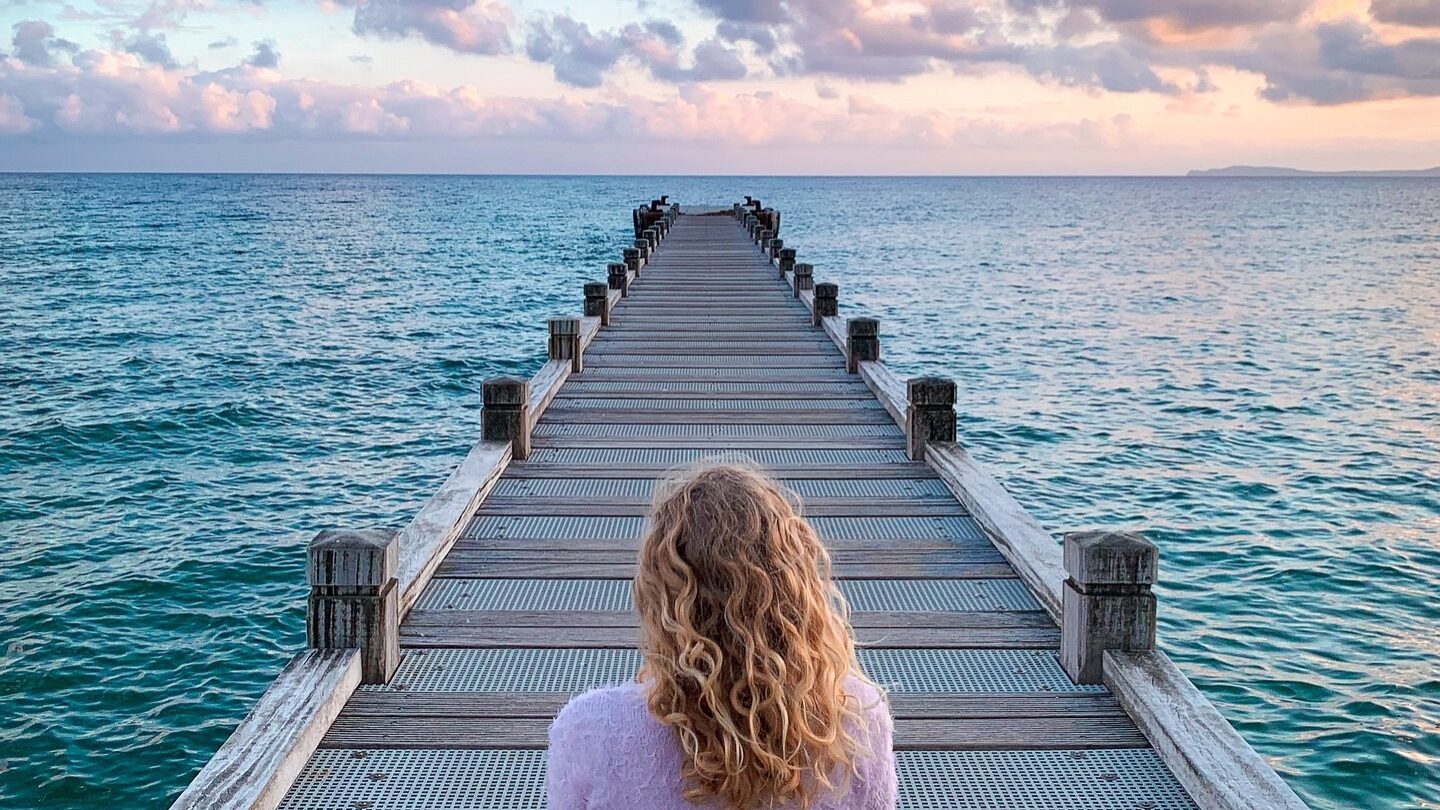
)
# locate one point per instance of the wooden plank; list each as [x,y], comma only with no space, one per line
[889,389]
[903,705]
[843,507]
[951,734]
[450,635]
[866,619]
[1211,760]
[544,386]
[596,416]
[1036,556]
[717,444]
[864,472]
[266,752]
[443,518]
[487,567]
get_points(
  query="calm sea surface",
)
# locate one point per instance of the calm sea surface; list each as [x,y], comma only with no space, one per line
[197,373]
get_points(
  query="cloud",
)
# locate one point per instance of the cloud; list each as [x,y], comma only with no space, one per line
[35,43]
[150,47]
[1424,13]
[265,55]
[221,44]
[581,57]
[1188,15]
[1338,63]
[467,26]
[13,120]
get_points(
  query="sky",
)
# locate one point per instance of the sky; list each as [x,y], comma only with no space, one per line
[863,87]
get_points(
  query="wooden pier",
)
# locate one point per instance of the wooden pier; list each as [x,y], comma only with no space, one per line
[1021,674]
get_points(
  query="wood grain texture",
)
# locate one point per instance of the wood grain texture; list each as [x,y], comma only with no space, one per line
[908,637]
[258,763]
[1213,762]
[434,529]
[1037,558]
[889,389]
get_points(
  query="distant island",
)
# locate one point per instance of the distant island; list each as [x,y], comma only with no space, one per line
[1280,171]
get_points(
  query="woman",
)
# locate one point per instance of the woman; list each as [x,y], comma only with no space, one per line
[750,695]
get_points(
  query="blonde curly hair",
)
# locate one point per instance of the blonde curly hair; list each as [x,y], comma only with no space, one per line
[747,648]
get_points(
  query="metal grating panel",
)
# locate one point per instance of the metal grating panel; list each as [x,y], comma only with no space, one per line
[696,387]
[674,456]
[613,595]
[829,528]
[512,670]
[673,404]
[702,372]
[390,779]
[1103,779]
[572,671]
[645,487]
[937,595]
[610,595]
[626,431]
[492,779]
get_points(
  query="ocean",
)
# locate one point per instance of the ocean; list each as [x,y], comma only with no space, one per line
[199,372]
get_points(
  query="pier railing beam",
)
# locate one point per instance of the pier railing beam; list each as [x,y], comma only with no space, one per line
[354,599]
[787,260]
[597,301]
[632,259]
[930,416]
[862,342]
[1106,603]
[506,417]
[618,278]
[565,342]
[804,278]
[827,302]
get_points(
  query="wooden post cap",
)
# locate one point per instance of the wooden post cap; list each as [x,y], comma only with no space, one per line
[787,253]
[630,253]
[358,559]
[862,327]
[564,326]
[1098,558]
[930,392]
[597,289]
[612,270]
[827,289]
[504,392]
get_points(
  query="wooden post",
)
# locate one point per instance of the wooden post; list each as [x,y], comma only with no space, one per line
[643,245]
[804,278]
[615,275]
[931,415]
[632,259]
[597,303]
[565,342]
[354,598]
[506,415]
[1107,603]
[735,210]
[827,302]
[787,260]
[765,236]
[652,235]
[862,342]
[775,245]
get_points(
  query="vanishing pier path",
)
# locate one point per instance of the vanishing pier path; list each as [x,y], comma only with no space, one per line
[526,601]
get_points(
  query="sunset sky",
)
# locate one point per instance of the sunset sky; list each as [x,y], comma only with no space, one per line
[718,86]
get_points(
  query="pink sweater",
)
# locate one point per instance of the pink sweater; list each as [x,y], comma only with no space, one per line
[608,753]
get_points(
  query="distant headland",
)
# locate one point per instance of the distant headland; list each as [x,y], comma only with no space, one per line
[1280,171]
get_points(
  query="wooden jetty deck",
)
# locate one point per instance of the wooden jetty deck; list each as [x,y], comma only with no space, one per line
[439,655]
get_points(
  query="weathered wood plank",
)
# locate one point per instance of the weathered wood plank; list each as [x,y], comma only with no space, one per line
[262,757]
[451,635]
[1213,762]
[487,566]
[443,518]
[1034,553]
[845,507]
[954,620]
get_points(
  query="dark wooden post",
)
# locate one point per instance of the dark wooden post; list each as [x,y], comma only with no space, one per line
[827,302]
[506,415]
[862,342]
[1107,602]
[616,276]
[931,415]
[597,294]
[565,342]
[735,210]
[787,260]
[804,278]
[632,259]
[652,235]
[354,598]
[775,245]
[765,236]
[643,245]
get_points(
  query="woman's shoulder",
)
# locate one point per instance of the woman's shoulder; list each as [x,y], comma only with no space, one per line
[600,709]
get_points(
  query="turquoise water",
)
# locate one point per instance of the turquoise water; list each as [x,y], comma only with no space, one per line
[199,372]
